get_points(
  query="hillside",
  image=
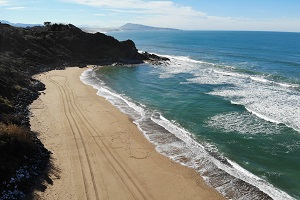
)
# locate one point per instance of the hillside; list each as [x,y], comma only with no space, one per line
[23,53]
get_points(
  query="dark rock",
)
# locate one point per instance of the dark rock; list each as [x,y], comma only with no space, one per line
[153,59]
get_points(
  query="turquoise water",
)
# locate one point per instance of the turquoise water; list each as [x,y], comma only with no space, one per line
[226,104]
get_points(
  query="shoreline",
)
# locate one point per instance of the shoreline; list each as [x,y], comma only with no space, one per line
[227,177]
[99,153]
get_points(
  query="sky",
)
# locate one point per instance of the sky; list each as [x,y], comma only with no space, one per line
[262,15]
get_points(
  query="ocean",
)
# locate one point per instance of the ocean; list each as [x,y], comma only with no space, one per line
[226,104]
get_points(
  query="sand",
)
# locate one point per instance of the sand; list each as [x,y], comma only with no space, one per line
[98,153]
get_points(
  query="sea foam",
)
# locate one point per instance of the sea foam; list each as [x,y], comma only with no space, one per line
[270,100]
[243,123]
[175,142]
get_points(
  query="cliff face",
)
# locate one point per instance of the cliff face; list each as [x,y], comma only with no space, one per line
[26,51]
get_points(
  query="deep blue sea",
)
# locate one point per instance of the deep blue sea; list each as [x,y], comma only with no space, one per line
[226,104]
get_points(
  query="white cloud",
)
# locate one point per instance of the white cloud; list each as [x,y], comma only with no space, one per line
[156,13]
[3,2]
[169,14]
[68,10]
[99,14]
[15,8]
[124,4]
[145,7]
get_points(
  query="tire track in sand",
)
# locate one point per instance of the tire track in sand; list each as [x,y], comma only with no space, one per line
[72,123]
[108,154]
[91,129]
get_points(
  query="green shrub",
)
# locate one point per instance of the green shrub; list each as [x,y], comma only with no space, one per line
[5,101]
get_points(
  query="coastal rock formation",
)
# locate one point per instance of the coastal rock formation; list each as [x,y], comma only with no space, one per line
[153,59]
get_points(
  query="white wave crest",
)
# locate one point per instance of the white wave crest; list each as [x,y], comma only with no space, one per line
[178,144]
[273,101]
[243,123]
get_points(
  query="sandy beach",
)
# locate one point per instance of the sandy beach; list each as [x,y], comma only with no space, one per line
[98,153]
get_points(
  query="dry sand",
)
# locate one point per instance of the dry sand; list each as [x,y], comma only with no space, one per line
[98,153]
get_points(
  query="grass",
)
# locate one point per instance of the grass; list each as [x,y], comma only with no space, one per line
[23,158]
[16,144]
[13,131]
[5,101]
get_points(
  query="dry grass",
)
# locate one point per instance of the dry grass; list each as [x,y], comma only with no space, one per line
[16,143]
[23,134]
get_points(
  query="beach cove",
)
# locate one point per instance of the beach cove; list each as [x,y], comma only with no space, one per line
[98,152]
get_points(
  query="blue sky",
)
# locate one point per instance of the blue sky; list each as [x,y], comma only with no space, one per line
[269,15]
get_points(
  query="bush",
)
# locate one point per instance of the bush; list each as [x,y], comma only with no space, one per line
[10,119]
[13,131]
[16,144]
[23,158]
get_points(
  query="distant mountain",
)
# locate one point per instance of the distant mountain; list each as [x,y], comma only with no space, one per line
[95,29]
[19,24]
[140,27]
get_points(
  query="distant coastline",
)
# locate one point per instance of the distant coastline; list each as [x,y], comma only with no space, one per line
[126,27]
[140,27]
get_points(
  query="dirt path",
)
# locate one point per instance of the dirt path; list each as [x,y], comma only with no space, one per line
[98,153]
